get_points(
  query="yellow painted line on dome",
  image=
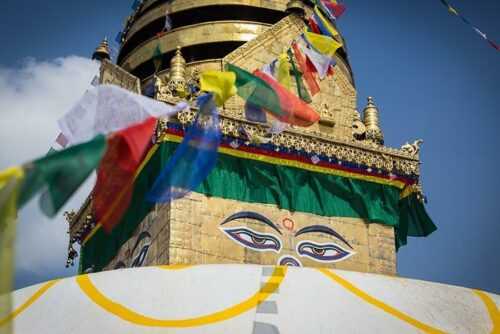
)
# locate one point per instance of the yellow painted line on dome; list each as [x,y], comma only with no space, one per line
[492,310]
[175,266]
[127,314]
[378,303]
[28,303]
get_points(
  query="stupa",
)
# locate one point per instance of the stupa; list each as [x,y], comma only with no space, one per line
[292,232]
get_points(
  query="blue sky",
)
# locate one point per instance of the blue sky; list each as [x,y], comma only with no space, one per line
[431,76]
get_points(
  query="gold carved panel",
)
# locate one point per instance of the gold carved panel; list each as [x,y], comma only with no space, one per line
[115,75]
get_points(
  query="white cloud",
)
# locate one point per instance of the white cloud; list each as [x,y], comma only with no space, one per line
[32,98]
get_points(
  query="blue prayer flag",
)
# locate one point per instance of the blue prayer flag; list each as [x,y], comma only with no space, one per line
[193,159]
[254,113]
[118,38]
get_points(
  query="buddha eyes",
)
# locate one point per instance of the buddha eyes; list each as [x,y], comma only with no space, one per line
[323,252]
[251,239]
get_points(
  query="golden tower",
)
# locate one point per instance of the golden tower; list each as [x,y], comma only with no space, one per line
[206,228]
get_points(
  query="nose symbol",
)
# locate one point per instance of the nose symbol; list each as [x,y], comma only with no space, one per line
[289,261]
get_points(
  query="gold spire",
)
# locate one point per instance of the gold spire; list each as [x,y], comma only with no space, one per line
[177,76]
[371,121]
[102,51]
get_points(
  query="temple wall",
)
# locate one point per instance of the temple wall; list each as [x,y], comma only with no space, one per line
[189,231]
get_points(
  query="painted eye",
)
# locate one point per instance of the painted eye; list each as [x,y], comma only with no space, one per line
[323,252]
[254,240]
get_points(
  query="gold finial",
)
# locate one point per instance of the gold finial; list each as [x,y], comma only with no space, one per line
[371,121]
[177,77]
[102,51]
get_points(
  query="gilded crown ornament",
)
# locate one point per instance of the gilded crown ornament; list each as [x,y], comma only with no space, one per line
[371,121]
[102,51]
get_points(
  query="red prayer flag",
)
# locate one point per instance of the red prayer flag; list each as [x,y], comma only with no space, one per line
[330,71]
[314,27]
[295,111]
[306,71]
[116,173]
[337,9]
[495,45]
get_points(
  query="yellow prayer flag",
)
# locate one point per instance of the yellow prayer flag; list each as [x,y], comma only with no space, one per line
[323,44]
[221,84]
[10,182]
[283,74]
[326,23]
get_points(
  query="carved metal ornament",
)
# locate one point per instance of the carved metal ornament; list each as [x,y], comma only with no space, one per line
[378,157]
[412,149]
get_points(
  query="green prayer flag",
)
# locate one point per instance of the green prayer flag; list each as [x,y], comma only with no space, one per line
[157,57]
[301,89]
[58,175]
[256,91]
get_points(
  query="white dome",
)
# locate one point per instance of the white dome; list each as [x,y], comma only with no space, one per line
[249,299]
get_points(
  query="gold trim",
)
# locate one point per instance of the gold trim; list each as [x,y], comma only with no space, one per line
[208,32]
[378,157]
[179,6]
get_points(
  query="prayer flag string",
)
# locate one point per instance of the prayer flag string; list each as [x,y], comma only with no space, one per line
[455,12]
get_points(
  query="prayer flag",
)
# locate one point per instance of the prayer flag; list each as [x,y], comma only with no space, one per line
[466,21]
[326,10]
[323,44]
[10,182]
[306,71]
[118,38]
[254,114]
[301,90]
[324,25]
[221,84]
[336,9]
[296,111]
[168,23]
[58,175]
[283,75]
[320,62]
[277,127]
[270,68]
[256,91]
[193,159]
[108,108]
[157,57]
[313,26]
[115,175]
[495,45]
[95,81]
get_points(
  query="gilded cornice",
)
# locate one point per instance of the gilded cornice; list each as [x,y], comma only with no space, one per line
[179,6]
[202,33]
[363,153]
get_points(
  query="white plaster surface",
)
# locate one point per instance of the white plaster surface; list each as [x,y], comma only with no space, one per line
[307,301]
